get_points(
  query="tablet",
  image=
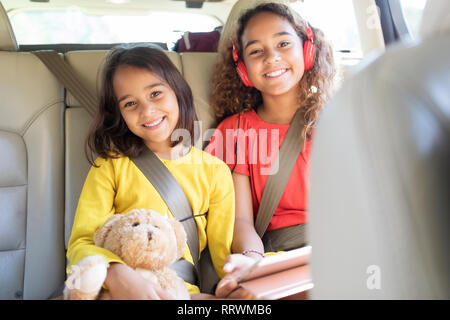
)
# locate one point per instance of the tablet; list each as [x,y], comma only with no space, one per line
[277,263]
[280,285]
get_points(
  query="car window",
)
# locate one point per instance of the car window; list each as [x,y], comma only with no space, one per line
[412,11]
[336,19]
[72,25]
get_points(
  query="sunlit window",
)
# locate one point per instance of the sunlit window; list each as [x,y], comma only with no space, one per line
[74,26]
[413,10]
[336,19]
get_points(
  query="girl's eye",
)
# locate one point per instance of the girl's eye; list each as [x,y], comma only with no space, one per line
[284,44]
[129,104]
[155,94]
[256,51]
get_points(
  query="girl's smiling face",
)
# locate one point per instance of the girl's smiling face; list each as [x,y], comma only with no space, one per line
[273,54]
[148,105]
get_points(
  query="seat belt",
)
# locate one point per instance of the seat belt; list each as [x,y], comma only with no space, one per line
[174,197]
[276,182]
[67,76]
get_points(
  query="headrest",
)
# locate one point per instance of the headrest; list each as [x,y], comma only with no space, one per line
[7,38]
[380,175]
[436,18]
[232,22]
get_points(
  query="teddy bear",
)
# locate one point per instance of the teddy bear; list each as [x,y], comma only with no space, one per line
[146,241]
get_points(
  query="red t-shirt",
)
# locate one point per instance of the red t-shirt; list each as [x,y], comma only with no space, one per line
[258,144]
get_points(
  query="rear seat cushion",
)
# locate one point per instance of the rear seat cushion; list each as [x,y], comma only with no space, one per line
[198,68]
[31,178]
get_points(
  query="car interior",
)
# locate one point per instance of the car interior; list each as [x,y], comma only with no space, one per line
[379,189]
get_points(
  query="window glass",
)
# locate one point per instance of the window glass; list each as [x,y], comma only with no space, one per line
[336,19]
[71,25]
[413,10]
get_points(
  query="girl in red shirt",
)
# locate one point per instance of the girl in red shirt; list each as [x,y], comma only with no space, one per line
[276,64]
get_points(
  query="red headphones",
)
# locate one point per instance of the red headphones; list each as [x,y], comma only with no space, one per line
[241,68]
[308,57]
[309,47]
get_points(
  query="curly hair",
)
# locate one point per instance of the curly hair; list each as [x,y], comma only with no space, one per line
[229,94]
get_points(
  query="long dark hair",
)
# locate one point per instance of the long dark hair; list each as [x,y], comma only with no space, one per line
[109,136]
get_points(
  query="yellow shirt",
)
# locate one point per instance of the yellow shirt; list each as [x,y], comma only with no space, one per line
[118,186]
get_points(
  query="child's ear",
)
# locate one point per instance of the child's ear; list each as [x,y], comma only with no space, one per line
[103,231]
[180,234]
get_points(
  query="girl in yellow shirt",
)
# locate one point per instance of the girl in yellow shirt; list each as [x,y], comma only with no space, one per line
[143,100]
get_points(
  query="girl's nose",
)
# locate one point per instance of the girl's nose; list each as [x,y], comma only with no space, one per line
[272,56]
[147,108]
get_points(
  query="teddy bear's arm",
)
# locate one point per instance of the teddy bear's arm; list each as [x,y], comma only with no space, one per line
[86,278]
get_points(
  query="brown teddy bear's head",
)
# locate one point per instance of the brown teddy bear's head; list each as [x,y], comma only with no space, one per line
[143,239]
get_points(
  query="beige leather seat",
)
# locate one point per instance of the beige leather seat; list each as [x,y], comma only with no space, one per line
[380,178]
[31,174]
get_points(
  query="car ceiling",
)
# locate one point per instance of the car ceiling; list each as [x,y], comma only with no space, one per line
[218,8]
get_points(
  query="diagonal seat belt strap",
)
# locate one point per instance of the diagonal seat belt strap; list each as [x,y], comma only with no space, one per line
[67,76]
[173,195]
[284,163]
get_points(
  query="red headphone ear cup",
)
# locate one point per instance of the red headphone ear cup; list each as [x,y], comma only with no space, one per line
[242,72]
[308,54]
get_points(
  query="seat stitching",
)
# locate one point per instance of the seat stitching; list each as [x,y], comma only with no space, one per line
[37,114]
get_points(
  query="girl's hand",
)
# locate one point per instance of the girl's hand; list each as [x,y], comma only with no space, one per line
[236,265]
[126,284]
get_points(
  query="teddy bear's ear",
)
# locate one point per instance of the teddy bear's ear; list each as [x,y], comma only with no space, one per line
[180,234]
[102,232]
